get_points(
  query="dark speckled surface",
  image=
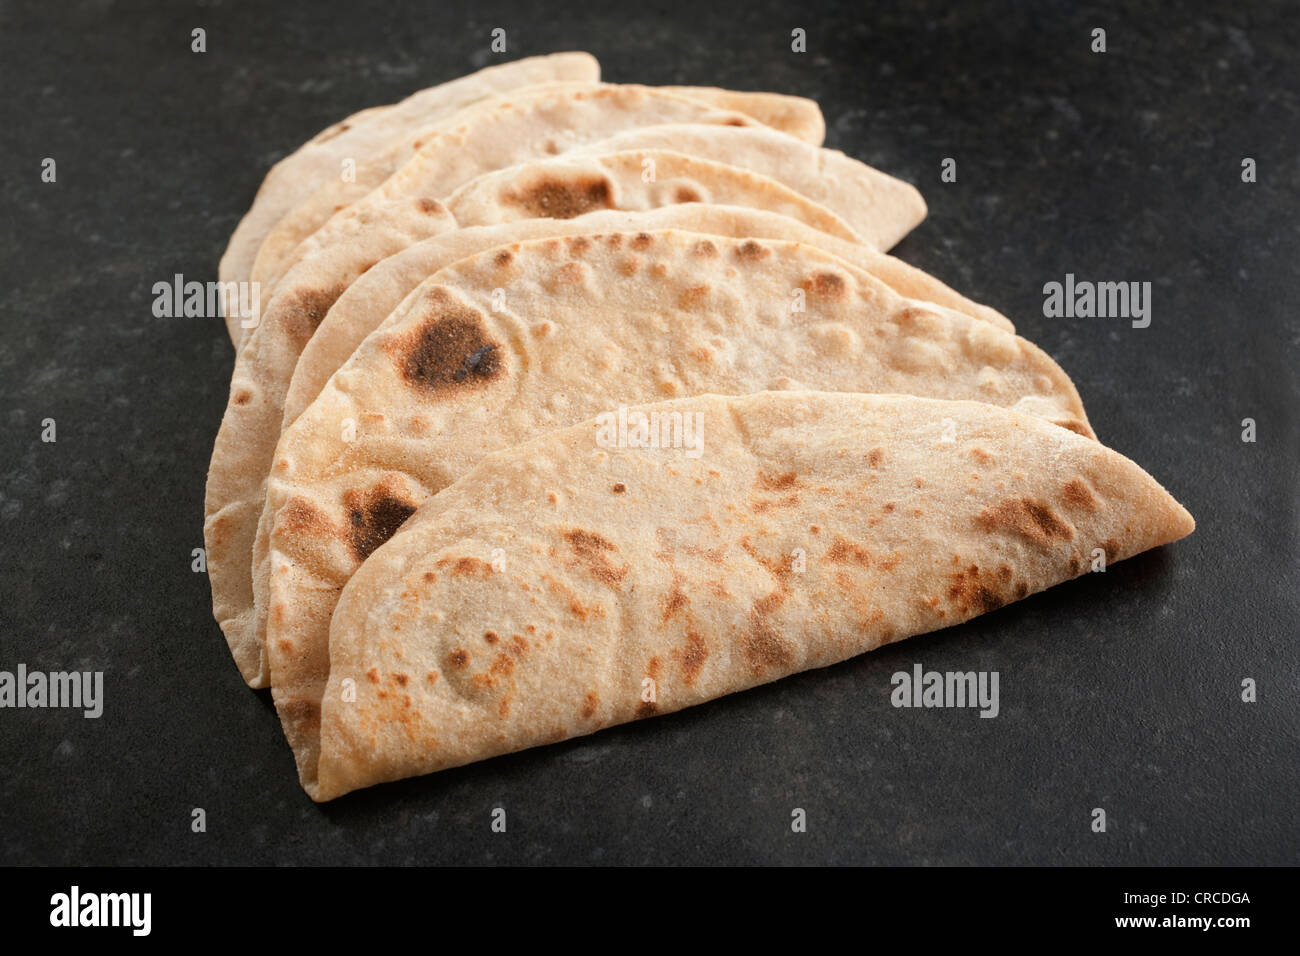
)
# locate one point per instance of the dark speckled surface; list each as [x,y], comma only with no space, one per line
[1118,691]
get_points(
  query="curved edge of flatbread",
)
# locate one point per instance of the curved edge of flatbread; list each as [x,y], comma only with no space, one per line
[452,376]
[543,594]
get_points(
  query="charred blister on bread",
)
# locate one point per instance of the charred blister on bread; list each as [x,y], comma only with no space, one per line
[450,350]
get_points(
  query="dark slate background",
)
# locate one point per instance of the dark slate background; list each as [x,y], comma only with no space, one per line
[1118,691]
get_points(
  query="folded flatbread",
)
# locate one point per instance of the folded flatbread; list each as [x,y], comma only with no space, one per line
[241,455]
[510,342]
[254,416]
[350,245]
[512,130]
[362,135]
[370,300]
[574,583]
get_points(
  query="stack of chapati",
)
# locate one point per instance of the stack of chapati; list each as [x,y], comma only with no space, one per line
[570,403]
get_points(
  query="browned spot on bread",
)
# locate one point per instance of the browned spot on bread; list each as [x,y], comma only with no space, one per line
[771,483]
[827,285]
[1075,565]
[1031,519]
[767,605]
[789,501]
[736,121]
[583,611]
[466,566]
[982,456]
[241,397]
[554,197]
[401,679]
[1111,546]
[372,675]
[518,645]
[619,487]
[647,708]
[374,515]
[579,244]
[762,645]
[752,251]
[592,552]
[888,507]
[301,312]
[705,249]
[502,666]
[908,318]
[431,677]
[589,705]
[301,518]
[684,193]
[814,529]
[974,591]
[675,600]
[659,270]
[614,240]
[764,648]
[503,708]
[782,482]
[693,295]
[503,258]
[630,266]
[491,637]
[458,659]
[642,241]
[301,711]
[653,669]
[450,351]
[691,658]
[570,273]
[876,457]
[1077,494]
[846,552]
[428,206]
